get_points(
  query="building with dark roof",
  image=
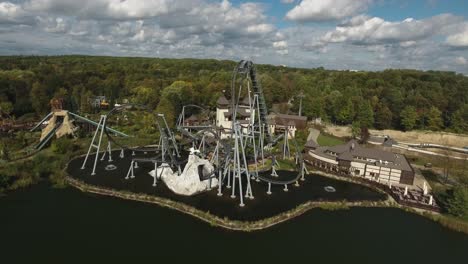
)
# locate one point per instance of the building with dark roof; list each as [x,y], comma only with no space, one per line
[224,113]
[278,123]
[356,160]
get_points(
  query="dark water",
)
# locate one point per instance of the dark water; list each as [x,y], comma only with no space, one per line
[45,225]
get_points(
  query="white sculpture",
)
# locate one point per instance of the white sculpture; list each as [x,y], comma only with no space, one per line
[187,183]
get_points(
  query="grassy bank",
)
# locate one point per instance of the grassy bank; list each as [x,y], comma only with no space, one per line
[328,140]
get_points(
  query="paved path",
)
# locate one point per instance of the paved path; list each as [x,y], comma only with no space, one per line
[313,134]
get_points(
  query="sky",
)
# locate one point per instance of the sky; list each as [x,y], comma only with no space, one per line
[334,34]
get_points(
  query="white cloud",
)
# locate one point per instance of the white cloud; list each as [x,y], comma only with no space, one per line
[326,10]
[374,30]
[461,60]
[224,30]
[460,38]
[280,45]
[12,13]
[114,9]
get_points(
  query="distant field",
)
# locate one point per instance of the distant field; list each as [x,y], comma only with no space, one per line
[328,140]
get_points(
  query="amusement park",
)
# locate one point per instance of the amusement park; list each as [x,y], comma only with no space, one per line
[240,161]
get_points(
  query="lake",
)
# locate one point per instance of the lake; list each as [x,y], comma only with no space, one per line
[65,225]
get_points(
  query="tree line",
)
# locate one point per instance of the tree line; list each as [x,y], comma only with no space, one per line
[389,99]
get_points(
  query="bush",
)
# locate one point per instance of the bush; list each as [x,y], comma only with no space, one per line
[63,145]
[4,181]
[58,179]
[457,203]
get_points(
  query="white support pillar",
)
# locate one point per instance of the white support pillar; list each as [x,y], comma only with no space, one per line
[229,177]
[285,188]
[122,154]
[269,188]
[220,183]
[273,171]
[100,131]
[155,174]
[130,172]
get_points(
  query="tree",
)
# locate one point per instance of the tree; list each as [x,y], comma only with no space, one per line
[408,117]
[434,119]
[365,115]
[457,203]
[40,103]
[6,107]
[145,96]
[459,121]
[356,129]
[173,97]
[346,113]
[383,117]
[85,105]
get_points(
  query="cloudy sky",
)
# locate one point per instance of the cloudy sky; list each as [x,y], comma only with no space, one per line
[335,34]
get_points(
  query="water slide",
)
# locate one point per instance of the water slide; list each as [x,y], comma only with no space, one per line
[40,122]
[96,124]
[48,137]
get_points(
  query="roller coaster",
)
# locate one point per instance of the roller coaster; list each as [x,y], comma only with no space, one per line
[237,153]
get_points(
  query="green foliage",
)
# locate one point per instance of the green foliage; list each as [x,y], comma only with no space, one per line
[6,107]
[365,115]
[457,204]
[434,121]
[460,119]
[62,145]
[383,117]
[375,99]
[4,181]
[408,117]
[328,140]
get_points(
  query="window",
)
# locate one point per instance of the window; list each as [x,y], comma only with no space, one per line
[374,175]
[357,172]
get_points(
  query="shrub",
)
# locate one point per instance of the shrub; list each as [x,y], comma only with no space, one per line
[457,203]
[63,145]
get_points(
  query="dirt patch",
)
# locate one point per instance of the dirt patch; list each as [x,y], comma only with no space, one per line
[442,138]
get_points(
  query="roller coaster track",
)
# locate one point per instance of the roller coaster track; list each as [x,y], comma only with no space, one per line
[248,68]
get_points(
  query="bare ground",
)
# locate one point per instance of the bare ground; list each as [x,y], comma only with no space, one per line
[442,138]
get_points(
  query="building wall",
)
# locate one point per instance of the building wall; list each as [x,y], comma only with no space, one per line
[407,177]
[274,129]
[331,161]
[358,168]
[222,121]
[383,174]
[377,173]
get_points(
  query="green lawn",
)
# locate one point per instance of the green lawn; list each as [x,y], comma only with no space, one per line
[328,140]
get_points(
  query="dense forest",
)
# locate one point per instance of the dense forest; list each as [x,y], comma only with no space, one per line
[399,99]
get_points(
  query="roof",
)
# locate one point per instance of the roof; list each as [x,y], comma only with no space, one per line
[352,150]
[311,144]
[245,101]
[240,111]
[292,117]
[222,100]
[289,120]
[192,118]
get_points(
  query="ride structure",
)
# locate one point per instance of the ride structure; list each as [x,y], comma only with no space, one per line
[230,158]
